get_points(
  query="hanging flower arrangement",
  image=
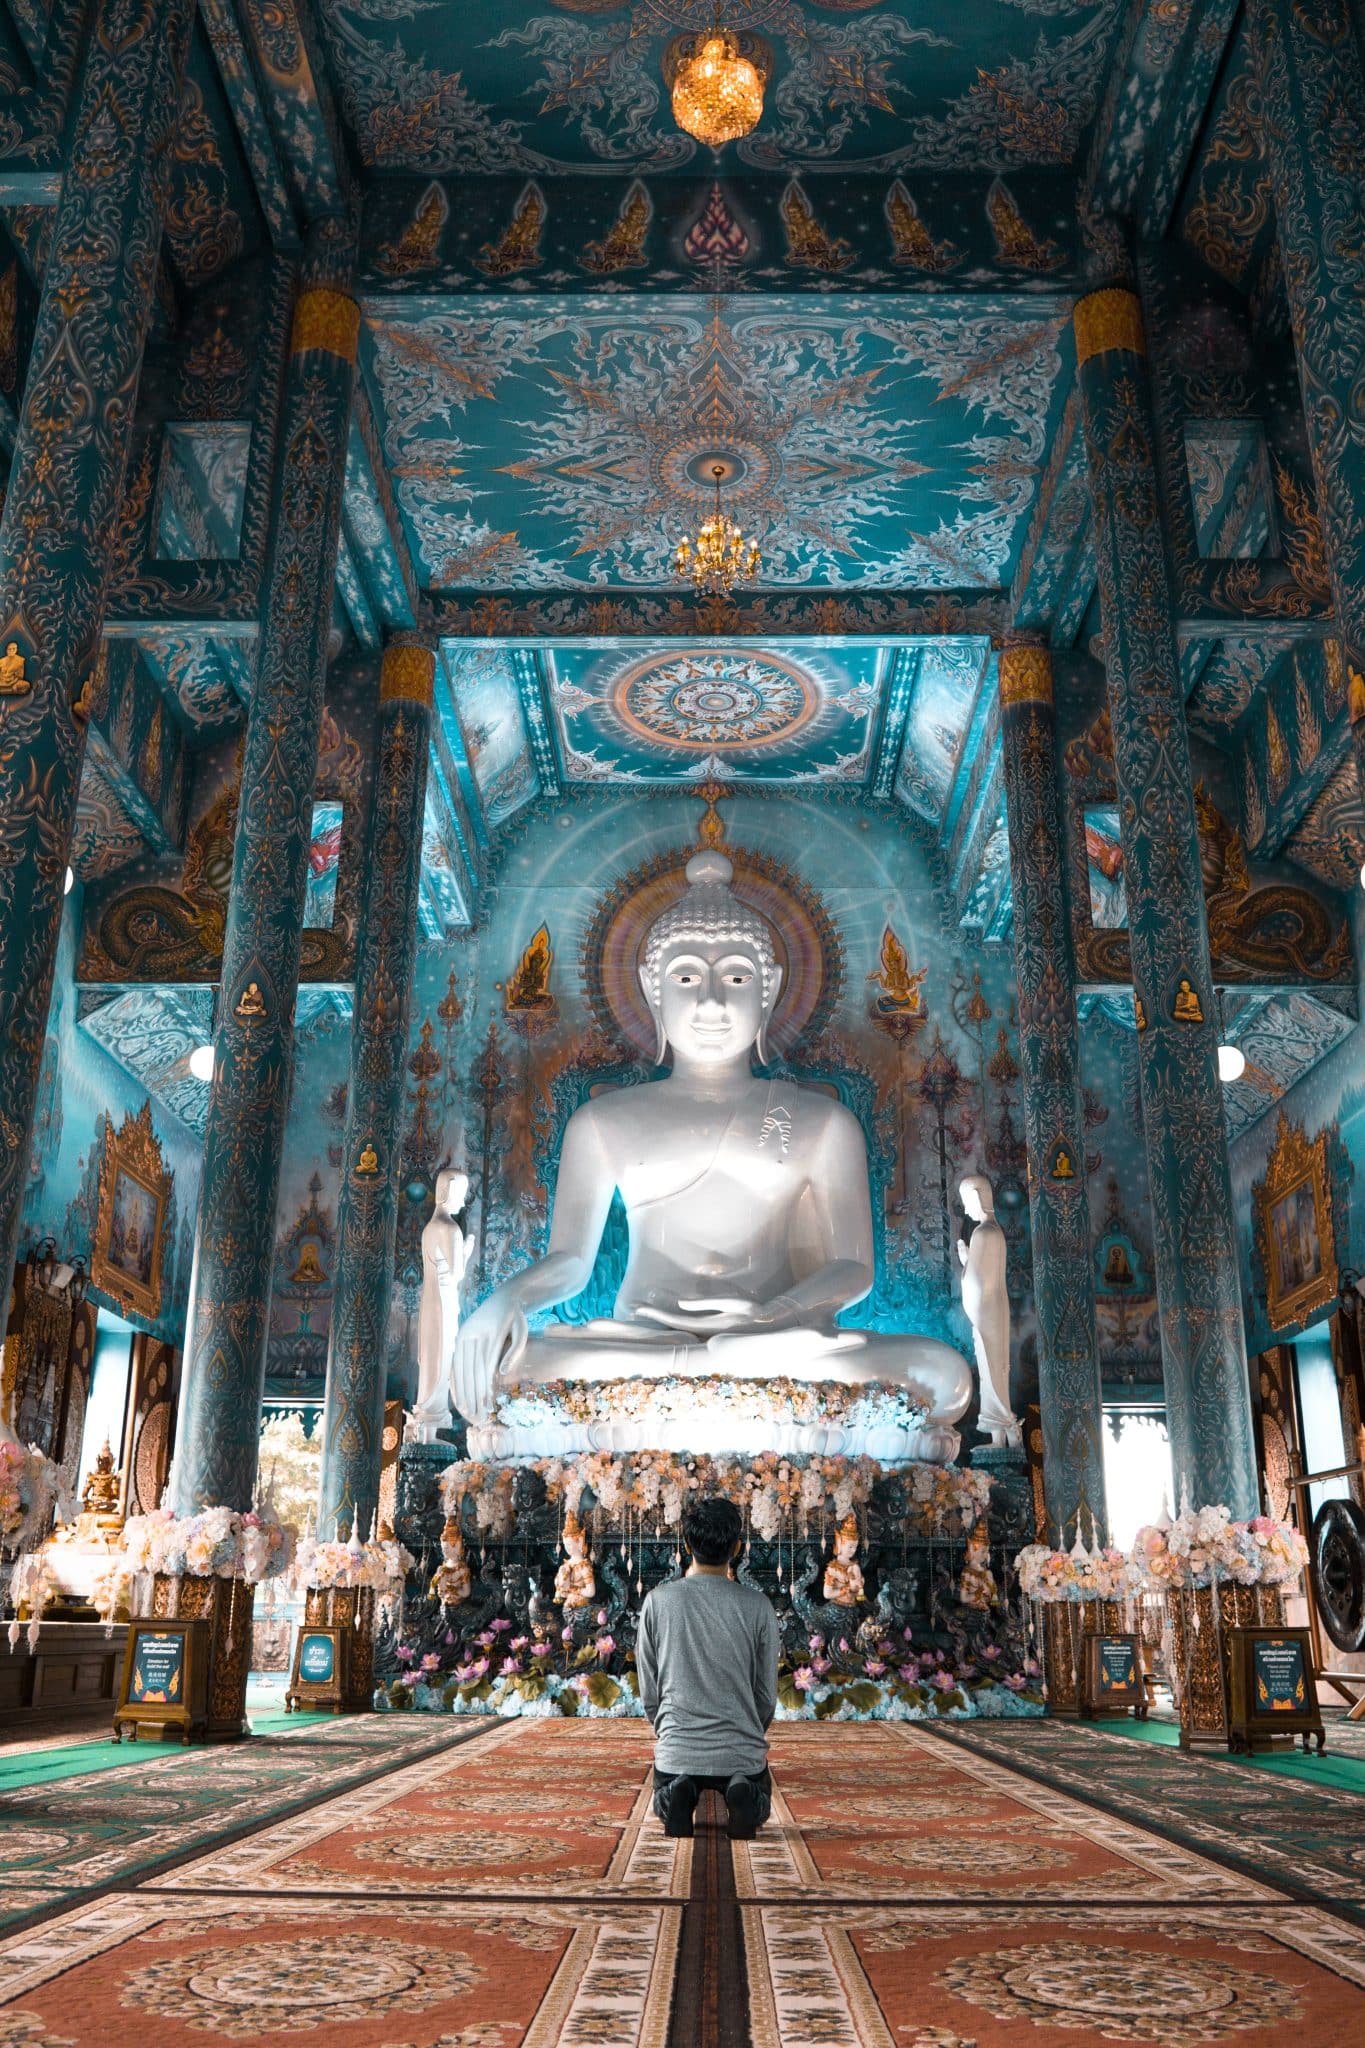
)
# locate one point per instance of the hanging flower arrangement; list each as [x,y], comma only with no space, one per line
[215,1543]
[382,1564]
[29,1488]
[787,1497]
[1206,1547]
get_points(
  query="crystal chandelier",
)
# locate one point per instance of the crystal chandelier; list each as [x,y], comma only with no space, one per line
[719,556]
[717,92]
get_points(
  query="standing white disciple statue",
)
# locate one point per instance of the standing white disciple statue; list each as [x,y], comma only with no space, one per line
[987,1303]
[747,1203]
[445,1254]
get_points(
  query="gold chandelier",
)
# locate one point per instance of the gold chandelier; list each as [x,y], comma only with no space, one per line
[717,92]
[717,557]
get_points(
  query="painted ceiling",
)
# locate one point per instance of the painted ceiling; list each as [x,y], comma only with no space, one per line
[732,714]
[565,443]
[545,86]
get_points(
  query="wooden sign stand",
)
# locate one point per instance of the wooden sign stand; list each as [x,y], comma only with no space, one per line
[321,1675]
[163,1693]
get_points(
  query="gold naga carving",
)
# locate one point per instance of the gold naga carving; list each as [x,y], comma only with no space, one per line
[1294,1224]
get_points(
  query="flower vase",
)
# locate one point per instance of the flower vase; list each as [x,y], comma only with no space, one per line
[351,1608]
[1066,1623]
[226,1605]
[1202,1618]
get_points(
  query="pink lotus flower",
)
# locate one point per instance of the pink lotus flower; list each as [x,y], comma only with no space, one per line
[945,1681]
[508,1667]
[817,1642]
[605,1645]
[886,1649]
[485,1641]
[566,1635]
[874,1667]
[906,1635]
[1015,1680]
[542,1649]
[843,1644]
[991,1652]
[479,1669]
[431,1662]
[601,1617]
[819,1665]
[803,1679]
[518,1642]
[499,1627]
[909,1672]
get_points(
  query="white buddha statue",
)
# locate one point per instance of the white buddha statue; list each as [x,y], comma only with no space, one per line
[445,1255]
[985,1297]
[748,1205]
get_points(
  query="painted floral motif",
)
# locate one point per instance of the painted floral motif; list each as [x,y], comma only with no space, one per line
[1126,1994]
[305,1983]
[884,448]
[991,1854]
[454,1849]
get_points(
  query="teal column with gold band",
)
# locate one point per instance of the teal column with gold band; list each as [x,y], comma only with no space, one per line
[60,518]
[1312,111]
[216,1446]
[1069,1395]
[367,1221]
[1203,1350]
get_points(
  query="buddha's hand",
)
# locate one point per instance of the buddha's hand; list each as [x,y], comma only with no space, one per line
[492,1341]
[962,1251]
[713,1314]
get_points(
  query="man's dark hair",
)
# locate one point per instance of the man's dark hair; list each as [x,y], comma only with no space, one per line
[711,1528]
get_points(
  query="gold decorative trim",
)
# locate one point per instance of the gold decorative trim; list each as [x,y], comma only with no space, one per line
[123,1266]
[327,320]
[1294,1212]
[1107,320]
[408,672]
[1025,675]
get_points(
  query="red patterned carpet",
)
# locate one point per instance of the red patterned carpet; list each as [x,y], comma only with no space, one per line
[516,1890]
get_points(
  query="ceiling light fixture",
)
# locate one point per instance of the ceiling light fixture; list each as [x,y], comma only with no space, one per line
[717,556]
[68,881]
[717,89]
[201,1063]
[1232,1063]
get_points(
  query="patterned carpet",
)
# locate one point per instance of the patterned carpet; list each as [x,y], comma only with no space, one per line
[514,1891]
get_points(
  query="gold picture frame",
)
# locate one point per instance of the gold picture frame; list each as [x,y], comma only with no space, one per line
[1294,1211]
[135,1187]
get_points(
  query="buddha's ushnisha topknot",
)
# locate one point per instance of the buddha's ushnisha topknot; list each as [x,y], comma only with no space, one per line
[708,914]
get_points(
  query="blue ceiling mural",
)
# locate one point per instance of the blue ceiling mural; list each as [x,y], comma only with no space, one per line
[541,86]
[734,714]
[570,442]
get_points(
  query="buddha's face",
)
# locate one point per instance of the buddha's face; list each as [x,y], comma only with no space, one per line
[711,1002]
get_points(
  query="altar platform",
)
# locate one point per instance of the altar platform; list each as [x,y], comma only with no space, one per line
[399,1880]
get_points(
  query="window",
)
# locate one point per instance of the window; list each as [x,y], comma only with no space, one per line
[324,862]
[1104,868]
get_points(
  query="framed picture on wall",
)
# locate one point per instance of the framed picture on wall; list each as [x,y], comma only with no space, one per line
[1294,1214]
[135,1188]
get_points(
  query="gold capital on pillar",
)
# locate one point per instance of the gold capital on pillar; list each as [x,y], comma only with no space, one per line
[409,672]
[1025,674]
[1107,320]
[328,320]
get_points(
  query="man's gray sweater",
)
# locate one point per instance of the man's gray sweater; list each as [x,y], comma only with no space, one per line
[706,1655]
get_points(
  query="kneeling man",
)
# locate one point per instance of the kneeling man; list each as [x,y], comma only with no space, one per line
[707,1661]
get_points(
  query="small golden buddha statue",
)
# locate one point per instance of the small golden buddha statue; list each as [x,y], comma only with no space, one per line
[251,1002]
[844,1577]
[453,1581]
[308,1272]
[368,1161]
[575,1585]
[99,1495]
[976,1587]
[1062,1168]
[1186,1008]
[13,681]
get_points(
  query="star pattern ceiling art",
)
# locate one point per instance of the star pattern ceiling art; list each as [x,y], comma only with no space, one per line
[733,713]
[553,85]
[560,443]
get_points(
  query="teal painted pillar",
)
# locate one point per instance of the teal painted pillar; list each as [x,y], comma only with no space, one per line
[1312,106]
[1203,1349]
[217,1443]
[367,1222]
[1069,1395]
[61,513]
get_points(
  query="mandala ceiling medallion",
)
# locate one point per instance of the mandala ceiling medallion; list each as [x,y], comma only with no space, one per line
[717,557]
[717,84]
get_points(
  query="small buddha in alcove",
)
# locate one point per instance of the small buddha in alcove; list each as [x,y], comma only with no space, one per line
[976,1587]
[453,1581]
[100,1494]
